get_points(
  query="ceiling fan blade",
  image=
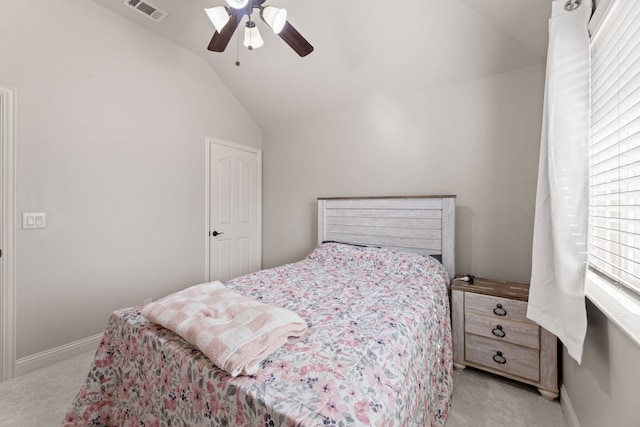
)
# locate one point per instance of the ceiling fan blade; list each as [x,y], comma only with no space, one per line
[295,40]
[219,41]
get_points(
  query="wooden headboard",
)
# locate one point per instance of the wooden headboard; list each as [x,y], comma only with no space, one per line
[422,224]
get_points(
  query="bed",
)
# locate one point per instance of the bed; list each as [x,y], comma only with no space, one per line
[377,350]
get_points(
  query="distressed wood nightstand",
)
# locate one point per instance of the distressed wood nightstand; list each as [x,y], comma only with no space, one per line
[491,332]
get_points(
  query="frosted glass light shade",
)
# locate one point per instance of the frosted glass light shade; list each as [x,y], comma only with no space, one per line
[275,18]
[218,16]
[238,4]
[252,38]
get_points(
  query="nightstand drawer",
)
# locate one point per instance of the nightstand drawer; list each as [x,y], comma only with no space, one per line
[497,307]
[525,334]
[510,358]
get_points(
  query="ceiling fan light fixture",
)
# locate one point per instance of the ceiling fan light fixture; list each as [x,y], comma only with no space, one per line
[218,16]
[274,17]
[238,4]
[252,37]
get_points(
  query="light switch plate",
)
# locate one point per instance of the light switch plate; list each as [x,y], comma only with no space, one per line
[31,221]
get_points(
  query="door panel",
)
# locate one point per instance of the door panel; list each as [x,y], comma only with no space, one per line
[244,256]
[222,259]
[235,212]
[224,187]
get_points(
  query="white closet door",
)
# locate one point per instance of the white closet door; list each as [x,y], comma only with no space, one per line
[235,212]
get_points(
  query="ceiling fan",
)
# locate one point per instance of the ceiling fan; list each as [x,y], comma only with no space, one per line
[227,18]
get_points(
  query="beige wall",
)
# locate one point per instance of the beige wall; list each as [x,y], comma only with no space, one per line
[478,140]
[603,390]
[112,121]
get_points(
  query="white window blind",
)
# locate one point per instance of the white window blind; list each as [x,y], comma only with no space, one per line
[614,217]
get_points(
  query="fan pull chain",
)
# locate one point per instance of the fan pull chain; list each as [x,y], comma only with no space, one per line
[238,49]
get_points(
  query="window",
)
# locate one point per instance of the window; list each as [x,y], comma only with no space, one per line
[614,218]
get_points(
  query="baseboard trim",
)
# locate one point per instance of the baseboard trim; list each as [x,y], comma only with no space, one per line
[567,408]
[56,354]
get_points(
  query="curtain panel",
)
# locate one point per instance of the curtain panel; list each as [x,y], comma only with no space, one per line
[559,258]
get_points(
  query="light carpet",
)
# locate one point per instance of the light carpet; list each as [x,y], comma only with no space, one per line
[41,398]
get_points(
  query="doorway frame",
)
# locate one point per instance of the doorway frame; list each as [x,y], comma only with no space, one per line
[209,141]
[8,142]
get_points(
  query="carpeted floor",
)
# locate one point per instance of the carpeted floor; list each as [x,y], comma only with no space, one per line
[481,399]
[41,398]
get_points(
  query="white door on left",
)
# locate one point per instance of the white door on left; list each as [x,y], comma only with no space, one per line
[235,212]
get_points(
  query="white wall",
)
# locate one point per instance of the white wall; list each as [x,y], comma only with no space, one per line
[478,140]
[603,390]
[111,142]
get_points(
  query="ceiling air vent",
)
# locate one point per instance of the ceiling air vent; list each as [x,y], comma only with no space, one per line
[147,9]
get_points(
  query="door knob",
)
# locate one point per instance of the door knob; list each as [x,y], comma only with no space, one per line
[215,233]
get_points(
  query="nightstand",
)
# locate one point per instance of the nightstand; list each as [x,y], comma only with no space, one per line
[491,332]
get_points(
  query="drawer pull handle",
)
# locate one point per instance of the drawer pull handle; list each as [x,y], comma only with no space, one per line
[497,331]
[499,358]
[499,311]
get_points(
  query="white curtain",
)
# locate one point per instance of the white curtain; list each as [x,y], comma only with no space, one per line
[559,260]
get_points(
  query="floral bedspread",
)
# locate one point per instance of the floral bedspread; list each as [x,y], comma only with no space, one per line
[377,353]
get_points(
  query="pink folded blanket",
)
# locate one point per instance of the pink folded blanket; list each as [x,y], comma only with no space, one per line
[234,331]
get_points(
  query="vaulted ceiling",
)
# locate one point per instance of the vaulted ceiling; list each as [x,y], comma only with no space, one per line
[364,51]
